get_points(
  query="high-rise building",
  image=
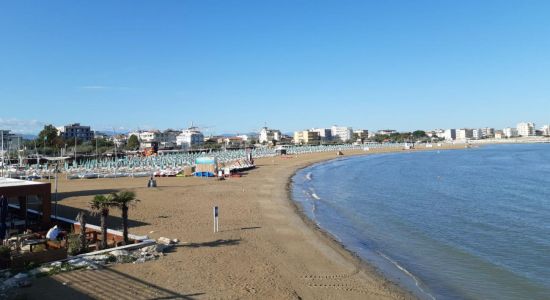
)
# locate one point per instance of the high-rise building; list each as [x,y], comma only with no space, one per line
[343,133]
[464,134]
[269,135]
[510,132]
[450,134]
[324,133]
[361,135]
[488,132]
[526,129]
[477,133]
[190,137]
[306,137]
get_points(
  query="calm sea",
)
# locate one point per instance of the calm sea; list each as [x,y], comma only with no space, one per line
[461,224]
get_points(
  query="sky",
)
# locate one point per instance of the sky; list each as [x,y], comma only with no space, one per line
[233,66]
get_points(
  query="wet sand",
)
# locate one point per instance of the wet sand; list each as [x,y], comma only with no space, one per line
[265,249]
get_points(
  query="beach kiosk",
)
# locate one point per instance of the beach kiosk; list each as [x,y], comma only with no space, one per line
[206,166]
[30,199]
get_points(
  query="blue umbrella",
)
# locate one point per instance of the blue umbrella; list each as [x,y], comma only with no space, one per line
[3,216]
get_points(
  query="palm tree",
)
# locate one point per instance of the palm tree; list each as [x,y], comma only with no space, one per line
[81,218]
[100,206]
[123,200]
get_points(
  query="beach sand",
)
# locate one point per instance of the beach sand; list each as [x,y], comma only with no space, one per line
[265,248]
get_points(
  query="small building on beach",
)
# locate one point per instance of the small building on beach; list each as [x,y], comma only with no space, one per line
[24,197]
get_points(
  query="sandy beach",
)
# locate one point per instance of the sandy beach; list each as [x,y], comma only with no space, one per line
[265,248]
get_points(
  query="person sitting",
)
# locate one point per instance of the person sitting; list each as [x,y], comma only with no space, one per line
[53,233]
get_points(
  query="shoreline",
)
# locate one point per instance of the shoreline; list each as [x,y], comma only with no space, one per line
[266,247]
[329,238]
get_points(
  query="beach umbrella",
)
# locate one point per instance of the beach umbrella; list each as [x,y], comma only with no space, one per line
[3,216]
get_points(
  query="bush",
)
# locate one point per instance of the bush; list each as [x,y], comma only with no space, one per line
[73,244]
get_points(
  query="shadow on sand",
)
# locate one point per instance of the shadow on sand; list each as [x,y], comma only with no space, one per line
[216,243]
[96,284]
[64,195]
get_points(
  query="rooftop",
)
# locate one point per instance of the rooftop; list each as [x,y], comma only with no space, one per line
[9,182]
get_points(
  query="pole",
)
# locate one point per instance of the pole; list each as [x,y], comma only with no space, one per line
[55,195]
[75,147]
[216,226]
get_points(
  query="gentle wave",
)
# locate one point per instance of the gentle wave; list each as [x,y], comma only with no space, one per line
[402,269]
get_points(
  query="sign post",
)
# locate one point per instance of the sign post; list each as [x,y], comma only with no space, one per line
[216,227]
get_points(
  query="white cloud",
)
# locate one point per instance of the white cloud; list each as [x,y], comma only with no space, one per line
[21,126]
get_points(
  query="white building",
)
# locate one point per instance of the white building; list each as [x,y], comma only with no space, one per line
[488,132]
[244,137]
[464,134]
[324,133]
[510,132]
[450,134]
[477,134]
[526,129]
[147,138]
[341,132]
[269,135]
[545,130]
[120,140]
[190,137]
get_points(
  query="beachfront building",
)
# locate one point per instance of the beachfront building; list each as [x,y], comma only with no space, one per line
[450,134]
[168,138]
[306,137]
[191,137]
[477,134]
[147,138]
[464,134]
[510,132]
[342,133]
[545,130]
[361,135]
[325,134]
[526,129]
[436,133]
[499,134]
[488,132]
[77,131]
[269,135]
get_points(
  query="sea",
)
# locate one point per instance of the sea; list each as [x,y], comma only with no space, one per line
[449,224]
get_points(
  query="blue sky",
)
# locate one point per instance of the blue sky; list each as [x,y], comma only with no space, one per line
[233,65]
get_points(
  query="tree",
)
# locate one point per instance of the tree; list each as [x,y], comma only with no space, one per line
[419,134]
[81,218]
[48,136]
[133,142]
[123,200]
[100,205]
